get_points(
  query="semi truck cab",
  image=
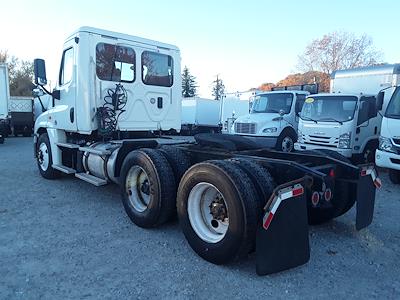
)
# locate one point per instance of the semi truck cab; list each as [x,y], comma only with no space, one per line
[274,117]
[346,123]
[388,154]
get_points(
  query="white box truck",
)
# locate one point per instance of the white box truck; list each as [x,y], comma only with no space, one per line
[231,197]
[274,117]
[388,154]
[4,98]
[200,115]
[348,120]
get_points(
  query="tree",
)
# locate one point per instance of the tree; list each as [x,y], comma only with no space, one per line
[311,77]
[218,89]
[20,74]
[189,85]
[339,50]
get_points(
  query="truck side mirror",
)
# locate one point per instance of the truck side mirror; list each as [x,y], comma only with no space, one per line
[39,67]
[281,112]
[379,100]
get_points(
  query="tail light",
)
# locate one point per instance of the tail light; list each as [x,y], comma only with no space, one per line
[315,198]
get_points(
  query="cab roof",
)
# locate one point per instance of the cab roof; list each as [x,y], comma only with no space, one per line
[284,92]
[339,95]
[122,36]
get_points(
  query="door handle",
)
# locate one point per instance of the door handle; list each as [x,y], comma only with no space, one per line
[71,115]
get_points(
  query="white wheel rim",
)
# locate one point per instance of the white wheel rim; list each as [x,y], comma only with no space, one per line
[138,188]
[201,199]
[43,156]
[287,144]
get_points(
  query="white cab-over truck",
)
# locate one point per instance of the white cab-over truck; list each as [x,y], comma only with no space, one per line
[274,116]
[117,93]
[4,97]
[348,120]
[388,154]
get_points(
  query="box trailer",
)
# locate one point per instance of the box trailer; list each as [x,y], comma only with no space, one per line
[231,196]
[200,115]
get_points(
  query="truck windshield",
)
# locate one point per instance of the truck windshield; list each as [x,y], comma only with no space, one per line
[329,108]
[272,103]
[393,109]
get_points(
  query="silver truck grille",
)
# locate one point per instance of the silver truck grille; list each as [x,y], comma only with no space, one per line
[321,140]
[249,128]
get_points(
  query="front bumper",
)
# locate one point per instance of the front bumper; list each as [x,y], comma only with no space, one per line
[387,160]
[302,147]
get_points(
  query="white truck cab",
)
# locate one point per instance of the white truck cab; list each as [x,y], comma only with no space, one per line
[348,120]
[388,154]
[100,68]
[345,123]
[274,117]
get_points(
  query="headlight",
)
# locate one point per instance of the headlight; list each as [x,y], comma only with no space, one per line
[385,144]
[270,130]
[344,140]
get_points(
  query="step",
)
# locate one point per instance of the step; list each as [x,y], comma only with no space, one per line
[91,179]
[68,145]
[95,151]
[64,169]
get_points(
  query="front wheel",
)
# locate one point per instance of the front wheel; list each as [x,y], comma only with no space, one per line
[44,158]
[285,142]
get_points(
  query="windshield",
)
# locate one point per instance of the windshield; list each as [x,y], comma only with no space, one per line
[329,108]
[272,103]
[393,109]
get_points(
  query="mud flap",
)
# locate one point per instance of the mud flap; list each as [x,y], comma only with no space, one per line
[366,191]
[282,239]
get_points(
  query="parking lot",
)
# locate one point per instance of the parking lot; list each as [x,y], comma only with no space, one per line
[69,239]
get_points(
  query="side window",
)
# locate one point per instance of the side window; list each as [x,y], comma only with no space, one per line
[67,66]
[300,98]
[115,63]
[157,69]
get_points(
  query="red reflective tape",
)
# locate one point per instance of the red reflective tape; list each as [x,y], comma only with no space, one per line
[268,220]
[363,172]
[297,192]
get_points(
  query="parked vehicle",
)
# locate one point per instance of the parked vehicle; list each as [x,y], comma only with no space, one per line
[21,112]
[231,196]
[348,120]
[4,97]
[274,116]
[200,115]
[388,154]
[231,109]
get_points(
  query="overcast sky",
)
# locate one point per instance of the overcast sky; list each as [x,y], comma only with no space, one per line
[246,42]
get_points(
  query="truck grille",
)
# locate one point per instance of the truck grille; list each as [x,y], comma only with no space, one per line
[249,128]
[321,140]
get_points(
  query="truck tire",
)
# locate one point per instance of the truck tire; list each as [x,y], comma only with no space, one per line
[218,211]
[178,160]
[44,158]
[148,188]
[261,178]
[317,215]
[394,176]
[286,140]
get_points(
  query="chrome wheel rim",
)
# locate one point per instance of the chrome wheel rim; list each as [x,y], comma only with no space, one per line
[138,188]
[208,212]
[43,156]
[287,144]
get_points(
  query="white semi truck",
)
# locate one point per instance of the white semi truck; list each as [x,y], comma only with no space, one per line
[4,97]
[116,93]
[348,120]
[274,117]
[388,154]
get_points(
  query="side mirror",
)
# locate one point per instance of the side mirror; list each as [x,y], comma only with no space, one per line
[379,100]
[281,112]
[39,67]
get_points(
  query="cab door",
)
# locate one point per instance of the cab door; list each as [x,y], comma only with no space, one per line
[65,112]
